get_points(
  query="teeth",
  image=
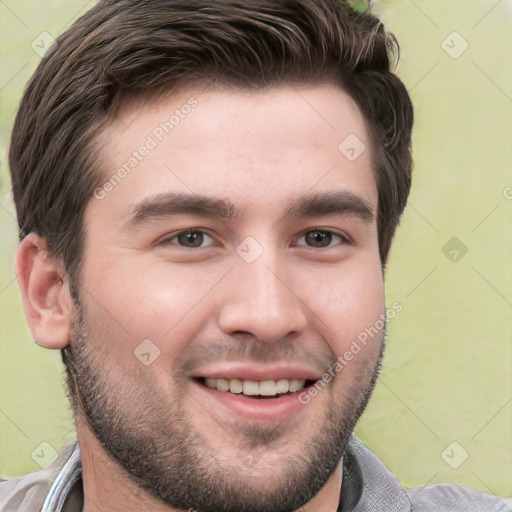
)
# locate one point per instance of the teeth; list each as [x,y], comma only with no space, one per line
[267,388]
[296,385]
[254,388]
[235,386]
[251,387]
[222,384]
[282,386]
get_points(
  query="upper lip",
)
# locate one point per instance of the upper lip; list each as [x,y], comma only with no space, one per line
[244,371]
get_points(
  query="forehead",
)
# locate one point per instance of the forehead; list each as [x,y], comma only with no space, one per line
[261,147]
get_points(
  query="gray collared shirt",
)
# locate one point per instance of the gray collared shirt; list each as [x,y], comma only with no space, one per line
[368,486]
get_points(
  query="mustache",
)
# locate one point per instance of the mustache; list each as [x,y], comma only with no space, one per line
[243,349]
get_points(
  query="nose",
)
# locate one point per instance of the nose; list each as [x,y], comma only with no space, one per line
[261,299]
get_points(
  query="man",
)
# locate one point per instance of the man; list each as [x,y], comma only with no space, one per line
[207,194]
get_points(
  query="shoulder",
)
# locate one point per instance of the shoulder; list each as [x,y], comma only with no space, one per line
[23,493]
[28,492]
[455,498]
[369,486]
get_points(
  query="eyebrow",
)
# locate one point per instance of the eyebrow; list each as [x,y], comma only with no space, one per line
[175,203]
[160,206]
[340,202]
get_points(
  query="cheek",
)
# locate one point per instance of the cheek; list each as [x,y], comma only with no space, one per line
[348,305]
[155,301]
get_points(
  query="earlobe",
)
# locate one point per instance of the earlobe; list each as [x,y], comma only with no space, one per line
[47,301]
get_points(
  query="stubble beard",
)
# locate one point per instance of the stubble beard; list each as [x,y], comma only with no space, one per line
[147,433]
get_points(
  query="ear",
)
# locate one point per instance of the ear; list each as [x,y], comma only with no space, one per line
[45,293]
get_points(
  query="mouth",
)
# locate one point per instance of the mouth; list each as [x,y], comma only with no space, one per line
[257,389]
[267,401]
[269,394]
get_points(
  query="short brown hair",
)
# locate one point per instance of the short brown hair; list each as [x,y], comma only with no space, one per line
[123,47]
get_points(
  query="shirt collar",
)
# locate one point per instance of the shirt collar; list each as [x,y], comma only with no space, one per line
[368,485]
[61,489]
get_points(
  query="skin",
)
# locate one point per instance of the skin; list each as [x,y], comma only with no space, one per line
[295,304]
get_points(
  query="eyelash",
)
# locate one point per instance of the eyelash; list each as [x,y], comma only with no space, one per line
[167,240]
[344,239]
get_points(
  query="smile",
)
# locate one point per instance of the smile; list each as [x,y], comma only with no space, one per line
[268,400]
[257,389]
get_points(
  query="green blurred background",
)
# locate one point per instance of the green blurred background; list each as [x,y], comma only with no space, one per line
[442,410]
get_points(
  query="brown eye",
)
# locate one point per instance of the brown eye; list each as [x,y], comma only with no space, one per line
[319,238]
[190,238]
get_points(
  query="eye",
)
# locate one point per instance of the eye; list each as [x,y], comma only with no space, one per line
[320,238]
[190,238]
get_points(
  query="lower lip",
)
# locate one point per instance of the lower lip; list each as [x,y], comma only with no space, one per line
[270,410]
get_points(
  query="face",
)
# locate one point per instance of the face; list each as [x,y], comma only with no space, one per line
[226,275]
